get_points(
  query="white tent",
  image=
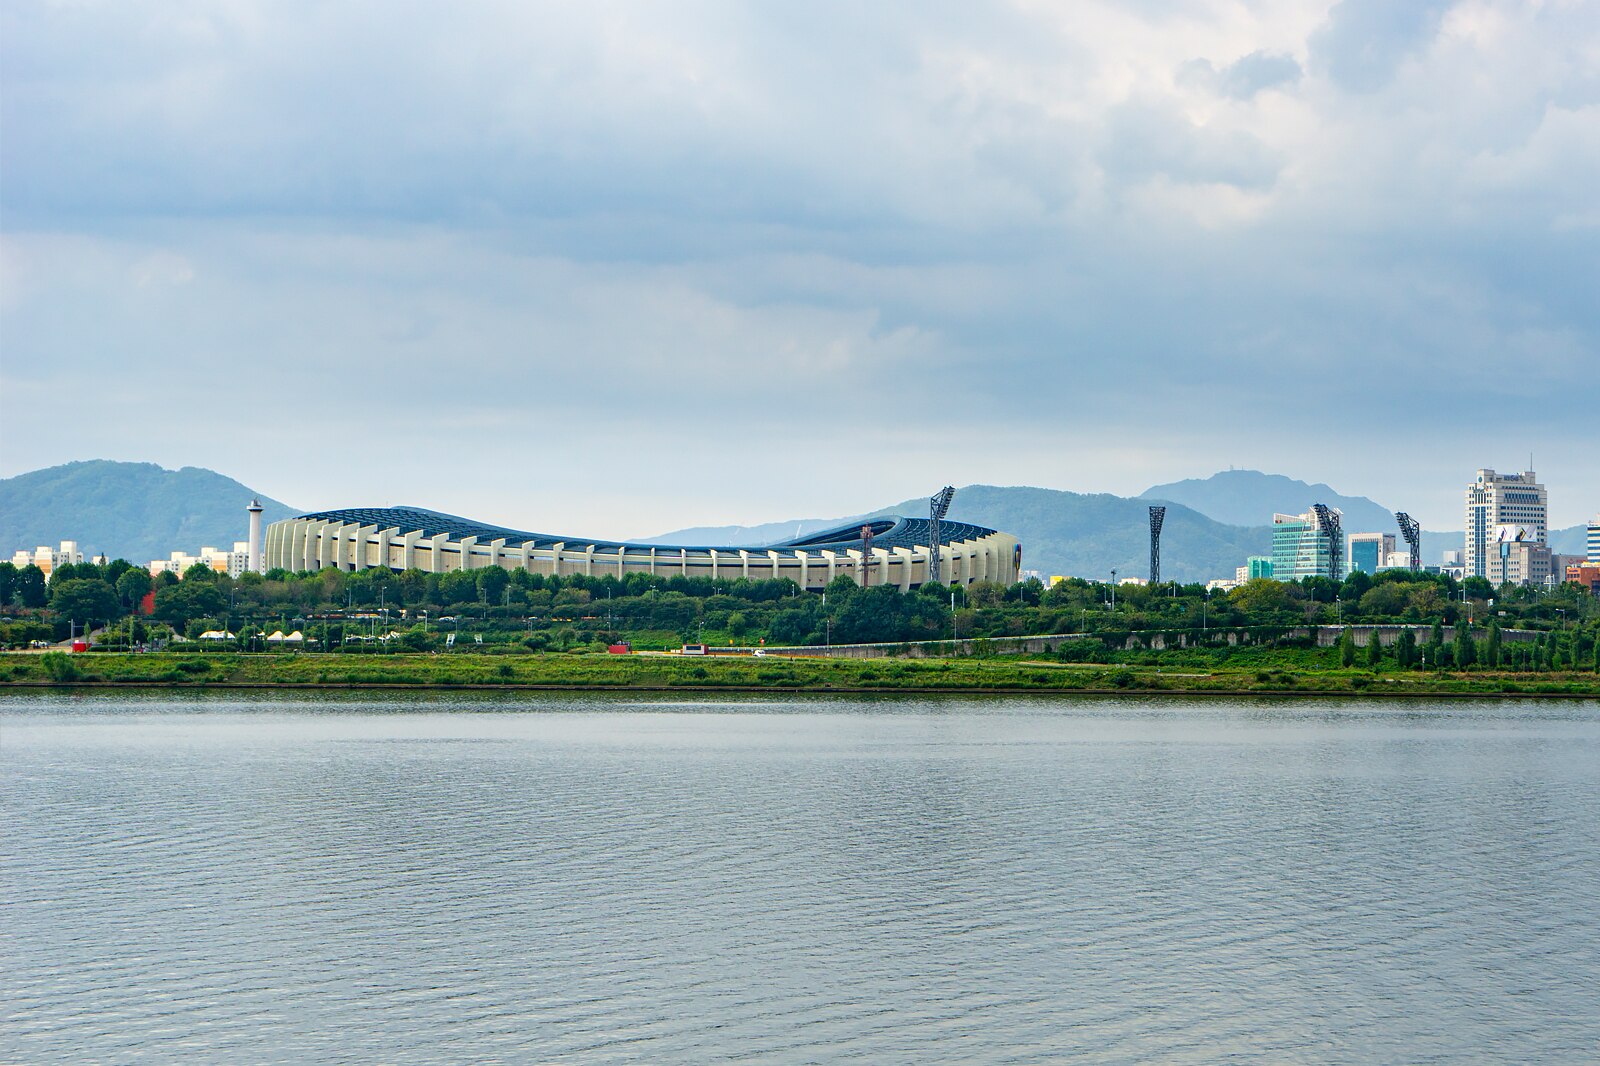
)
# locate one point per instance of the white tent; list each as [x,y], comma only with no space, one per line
[295,638]
[276,637]
[216,634]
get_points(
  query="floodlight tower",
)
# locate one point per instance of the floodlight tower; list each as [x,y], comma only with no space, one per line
[1329,521]
[256,552]
[938,507]
[1411,530]
[1157,516]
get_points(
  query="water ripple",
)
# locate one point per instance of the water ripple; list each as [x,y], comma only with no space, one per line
[260,880]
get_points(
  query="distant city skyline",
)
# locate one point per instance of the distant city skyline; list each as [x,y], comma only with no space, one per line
[609,265]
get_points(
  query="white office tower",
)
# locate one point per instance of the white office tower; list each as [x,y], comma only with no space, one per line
[257,548]
[1498,500]
[1592,557]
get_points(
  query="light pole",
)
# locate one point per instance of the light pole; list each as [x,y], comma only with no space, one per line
[1113,590]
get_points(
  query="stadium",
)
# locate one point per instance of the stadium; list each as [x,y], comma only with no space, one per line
[897,552]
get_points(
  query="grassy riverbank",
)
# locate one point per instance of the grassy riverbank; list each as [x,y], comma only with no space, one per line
[999,674]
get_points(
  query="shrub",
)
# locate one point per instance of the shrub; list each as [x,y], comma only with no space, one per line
[59,666]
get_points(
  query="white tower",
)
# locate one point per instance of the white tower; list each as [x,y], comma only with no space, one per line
[256,547]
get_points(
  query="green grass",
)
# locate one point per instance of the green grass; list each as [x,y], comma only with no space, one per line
[1310,671]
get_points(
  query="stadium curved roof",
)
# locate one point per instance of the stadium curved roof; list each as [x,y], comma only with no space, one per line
[887,532]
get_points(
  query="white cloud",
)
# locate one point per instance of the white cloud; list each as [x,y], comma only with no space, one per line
[602,227]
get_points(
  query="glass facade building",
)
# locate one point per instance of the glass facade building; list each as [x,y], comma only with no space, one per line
[1367,552]
[1301,548]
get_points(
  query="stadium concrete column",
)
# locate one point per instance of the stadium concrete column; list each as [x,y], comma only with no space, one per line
[713,564]
[857,569]
[332,552]
[311,545]
[804,559]
[387,541]
[744,564]
[408,549]
[588,561]
[777,567]
[652,562]
[622,560]
[908,561]
[497,548]
[832,559]
[362,542]
[683,562]
[466,552]
[436,545]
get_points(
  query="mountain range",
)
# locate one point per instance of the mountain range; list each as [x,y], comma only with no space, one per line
[141,511]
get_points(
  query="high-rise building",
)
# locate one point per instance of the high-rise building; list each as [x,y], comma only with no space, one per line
[1593,555]
[1369,552]
[47,558]
[1301,547]
[1496,500]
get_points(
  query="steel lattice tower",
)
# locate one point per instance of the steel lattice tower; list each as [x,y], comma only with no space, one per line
[1157,516]
[866,555]
[1329,521]
[1411,530]
[938,507]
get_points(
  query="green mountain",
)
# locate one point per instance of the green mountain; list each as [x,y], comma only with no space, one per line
[1061,532]
[136,511]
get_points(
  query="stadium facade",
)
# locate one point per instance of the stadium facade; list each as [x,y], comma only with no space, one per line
[406,538]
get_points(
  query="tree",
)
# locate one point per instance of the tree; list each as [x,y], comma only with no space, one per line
[1491,650]
[1374,649]
[1347,648]
[180,604]
[1466,652]
[133,586]
[84,600]
[1405,649]
[492,582]
[30,590]
[1261,595]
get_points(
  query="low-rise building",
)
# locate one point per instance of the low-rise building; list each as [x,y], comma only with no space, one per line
[1587,575]
[1518,558]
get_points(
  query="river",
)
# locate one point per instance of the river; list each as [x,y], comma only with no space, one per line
[415,878]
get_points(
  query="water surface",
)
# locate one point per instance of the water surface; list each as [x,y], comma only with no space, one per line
[421,878]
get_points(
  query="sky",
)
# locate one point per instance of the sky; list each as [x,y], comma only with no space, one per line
[620,269]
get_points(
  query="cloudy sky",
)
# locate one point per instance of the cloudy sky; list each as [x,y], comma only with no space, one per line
[623,268]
